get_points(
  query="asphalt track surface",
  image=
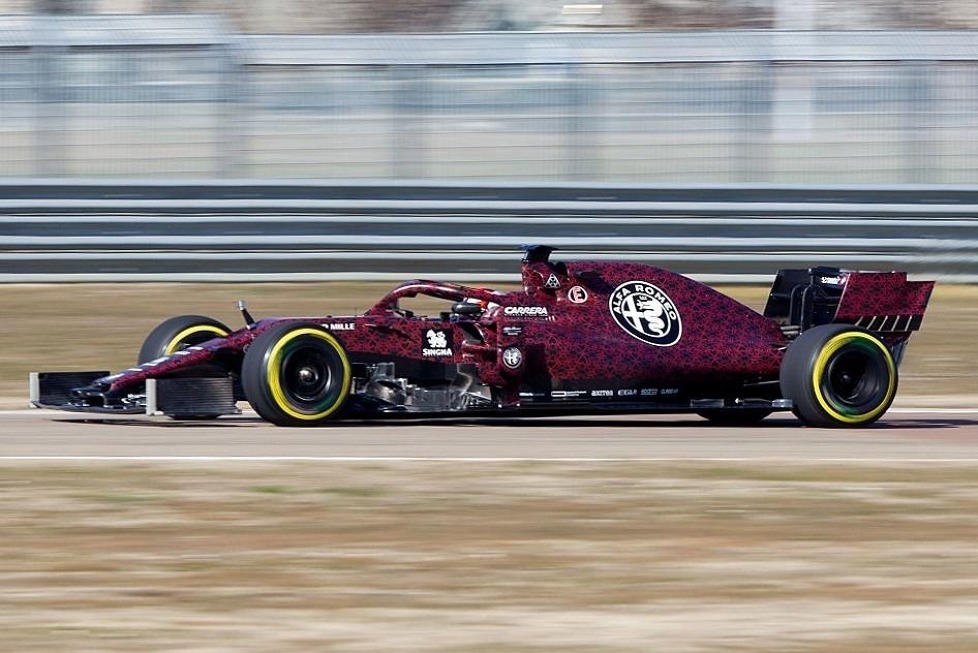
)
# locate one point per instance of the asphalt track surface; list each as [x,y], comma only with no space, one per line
[905,435]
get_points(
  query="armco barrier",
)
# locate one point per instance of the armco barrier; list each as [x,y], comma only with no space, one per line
[57,231]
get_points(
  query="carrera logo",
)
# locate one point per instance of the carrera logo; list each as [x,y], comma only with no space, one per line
[526,311]
[646,313]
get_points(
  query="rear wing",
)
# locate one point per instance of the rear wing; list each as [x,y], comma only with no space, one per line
[882,302]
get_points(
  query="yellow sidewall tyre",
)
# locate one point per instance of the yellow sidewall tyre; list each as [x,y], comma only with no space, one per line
[296,374]
[178,333]
[839,376]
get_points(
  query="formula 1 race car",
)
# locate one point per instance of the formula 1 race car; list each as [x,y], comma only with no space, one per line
[580,337]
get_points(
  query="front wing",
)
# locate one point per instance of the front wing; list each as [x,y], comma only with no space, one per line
[178,397]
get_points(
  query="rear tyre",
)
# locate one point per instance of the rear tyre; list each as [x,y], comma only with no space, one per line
[735,416]
[296,375]
[179,333]
[838,376]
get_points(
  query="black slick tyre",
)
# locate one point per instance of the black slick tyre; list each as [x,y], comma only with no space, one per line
[838,375]
[178,333]
[296,375]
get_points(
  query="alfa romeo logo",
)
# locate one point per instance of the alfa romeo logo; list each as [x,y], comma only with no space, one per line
[512,357]
[645,312]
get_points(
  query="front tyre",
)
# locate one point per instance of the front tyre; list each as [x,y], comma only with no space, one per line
[296,375]
[179,333]
[838,376]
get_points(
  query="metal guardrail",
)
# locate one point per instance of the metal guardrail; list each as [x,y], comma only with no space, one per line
[275,231]
[588,48]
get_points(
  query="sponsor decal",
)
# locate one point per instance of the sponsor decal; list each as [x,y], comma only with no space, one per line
[512,357]
[576,295]
[568,394]
[526,311]
[552,281]
[512,330]
[437,343]
[832,281]
[602,393]
[627,392]
[646,313]
[340,326]
[655,392]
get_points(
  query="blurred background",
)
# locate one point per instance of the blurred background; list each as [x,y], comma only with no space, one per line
[705,91]
[325,140]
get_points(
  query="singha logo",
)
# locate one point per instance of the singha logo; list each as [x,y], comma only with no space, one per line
[437,344]
[437,339]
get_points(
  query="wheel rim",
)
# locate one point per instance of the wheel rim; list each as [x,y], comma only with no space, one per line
[854,377]
[306,378]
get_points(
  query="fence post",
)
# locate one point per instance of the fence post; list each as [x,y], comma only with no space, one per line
[231,97]
[918,116]
[754,105]
[408,102]
[49,100]
[579,150]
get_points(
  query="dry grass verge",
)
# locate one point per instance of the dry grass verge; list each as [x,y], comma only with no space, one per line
[477,557]
[101,326]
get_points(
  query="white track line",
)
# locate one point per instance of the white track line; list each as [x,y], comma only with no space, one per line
[456,459]
[935,411]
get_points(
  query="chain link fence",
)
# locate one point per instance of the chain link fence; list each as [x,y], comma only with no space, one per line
[183,96]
